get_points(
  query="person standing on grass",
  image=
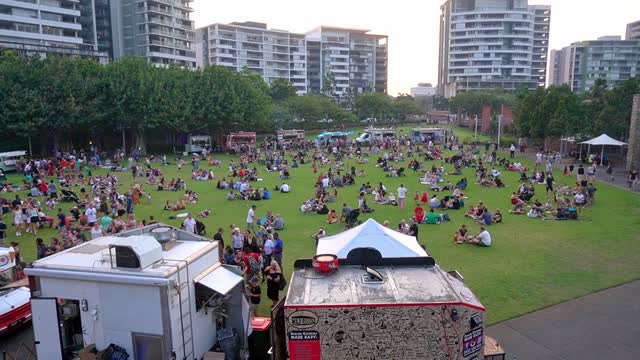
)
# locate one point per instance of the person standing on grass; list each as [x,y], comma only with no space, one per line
[255,294]
[251,217]
[402,195]
[512,151]
[274,277]
[278,248]
[633,178]
[3,232]
[267,247]
[189,224]
[218,237]
[549,181]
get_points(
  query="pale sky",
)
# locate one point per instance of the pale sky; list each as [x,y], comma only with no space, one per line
[412,25]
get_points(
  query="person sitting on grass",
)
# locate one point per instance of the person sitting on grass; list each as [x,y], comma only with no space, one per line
[486,218]
[497,216]
[483,239]
[380,199]
[432,217]
[332,217]
[434,202]
[392,200]
[419,213]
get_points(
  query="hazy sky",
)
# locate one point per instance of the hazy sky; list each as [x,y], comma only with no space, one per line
[412,25]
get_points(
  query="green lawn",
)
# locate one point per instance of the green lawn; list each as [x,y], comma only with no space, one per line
[532,263]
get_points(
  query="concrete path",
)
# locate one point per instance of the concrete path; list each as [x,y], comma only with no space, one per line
[602,325]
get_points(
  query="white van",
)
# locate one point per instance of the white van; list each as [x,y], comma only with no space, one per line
[373,135]
[8,160]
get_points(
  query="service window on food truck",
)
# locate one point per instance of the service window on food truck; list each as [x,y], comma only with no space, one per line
[8,160]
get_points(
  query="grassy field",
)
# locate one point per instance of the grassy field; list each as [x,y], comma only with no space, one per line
[532,263]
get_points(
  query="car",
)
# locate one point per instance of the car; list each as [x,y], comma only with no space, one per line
[15,308]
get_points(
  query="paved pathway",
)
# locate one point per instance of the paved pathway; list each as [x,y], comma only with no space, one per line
[602,325]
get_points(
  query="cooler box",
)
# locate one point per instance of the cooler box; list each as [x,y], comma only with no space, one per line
[259,340]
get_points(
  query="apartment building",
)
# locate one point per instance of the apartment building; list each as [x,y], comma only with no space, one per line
[355,59]
[633,31]
[352,59]
[41,27]
[271,53]
[423,89]
[486,44]
[609,58]
[161,31]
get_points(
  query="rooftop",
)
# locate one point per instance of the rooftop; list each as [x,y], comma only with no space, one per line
[402,284]
[94,256]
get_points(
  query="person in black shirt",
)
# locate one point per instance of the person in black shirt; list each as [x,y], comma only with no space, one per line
[255,294]
[413,229]
[16,202]
[218,237]
[3,232]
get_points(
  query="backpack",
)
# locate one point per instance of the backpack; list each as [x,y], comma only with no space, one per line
[283,282]
[254,265]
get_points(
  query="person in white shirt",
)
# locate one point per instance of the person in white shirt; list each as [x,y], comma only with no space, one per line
[251,216]
[402,194]
[268,250]
[495,173]
[91,214]
[578,199]
[512,151]
[325,182]
[189,224]
[285,188]
[483,239]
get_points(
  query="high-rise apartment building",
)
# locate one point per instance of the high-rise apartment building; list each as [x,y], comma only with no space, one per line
[486,44]
[609,58]
[353,60]
[42,27]
[633,31]
[161,31]
[250,45]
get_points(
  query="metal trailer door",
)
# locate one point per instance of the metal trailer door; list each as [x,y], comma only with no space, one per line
[46,328]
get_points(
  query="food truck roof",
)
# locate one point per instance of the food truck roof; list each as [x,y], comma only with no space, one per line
[420,283]
[94,256]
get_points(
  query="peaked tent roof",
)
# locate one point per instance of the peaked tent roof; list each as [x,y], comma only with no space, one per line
[371,234]
[604,139]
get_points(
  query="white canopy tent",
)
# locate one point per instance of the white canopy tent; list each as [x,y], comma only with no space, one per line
[370,234]
[603,140]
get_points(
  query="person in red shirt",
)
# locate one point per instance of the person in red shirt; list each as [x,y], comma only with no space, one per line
[419,213]
[44,188]
[50,168]
[425,197]
[72,165]
[251,271]
[63,163]
[241,173]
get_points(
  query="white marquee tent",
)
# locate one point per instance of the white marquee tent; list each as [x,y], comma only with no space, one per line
[370,234]
[603,140]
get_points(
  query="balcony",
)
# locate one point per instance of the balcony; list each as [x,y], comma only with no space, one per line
[176,3]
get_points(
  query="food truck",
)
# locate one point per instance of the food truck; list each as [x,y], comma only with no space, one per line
[197,143]
[435,135]
[8,160]
[330,137]
[289,136]
[15,310]
[235,140]
[396,307]
[155,292]
[373,135]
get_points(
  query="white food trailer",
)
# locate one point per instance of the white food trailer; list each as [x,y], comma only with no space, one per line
[157,292]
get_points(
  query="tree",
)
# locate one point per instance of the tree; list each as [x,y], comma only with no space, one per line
[328,84]
[405,106]
[374,105]
[281,89]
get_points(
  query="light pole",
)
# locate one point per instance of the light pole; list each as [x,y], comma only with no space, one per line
[499,126]
[475,133]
